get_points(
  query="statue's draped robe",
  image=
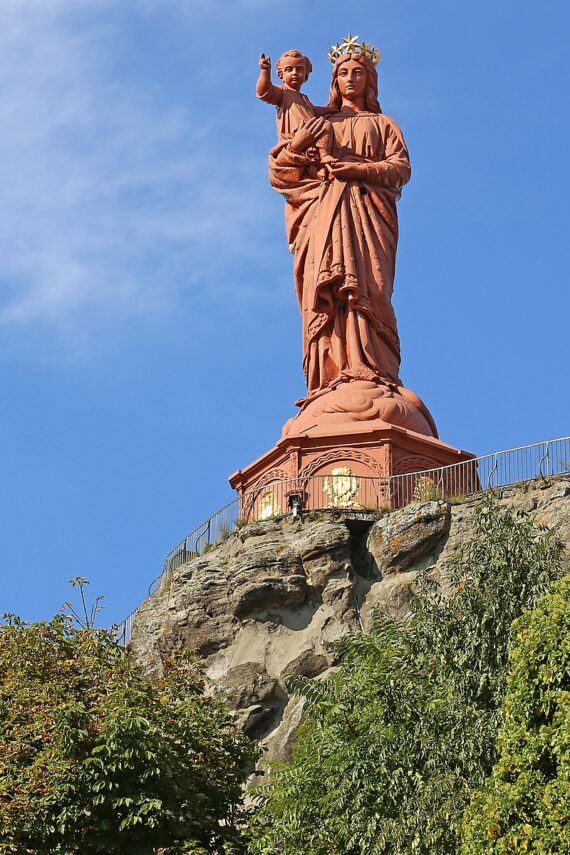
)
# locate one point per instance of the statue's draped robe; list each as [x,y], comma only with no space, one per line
[344,235]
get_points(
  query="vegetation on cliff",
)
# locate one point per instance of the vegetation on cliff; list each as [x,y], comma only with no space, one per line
[96,758]
[446,733]
[525,805]
[397,740]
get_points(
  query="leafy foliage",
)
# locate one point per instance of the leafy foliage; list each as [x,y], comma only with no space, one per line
[525,805]
[95,758]
[397,739]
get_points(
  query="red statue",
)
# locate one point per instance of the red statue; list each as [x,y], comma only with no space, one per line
[342,227]
[341,169]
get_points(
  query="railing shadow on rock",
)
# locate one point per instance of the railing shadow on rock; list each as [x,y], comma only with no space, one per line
[343,490]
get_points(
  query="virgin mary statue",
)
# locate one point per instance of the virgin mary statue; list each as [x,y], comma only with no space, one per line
[343,232]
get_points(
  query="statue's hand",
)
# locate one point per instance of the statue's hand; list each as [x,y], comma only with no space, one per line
[307,135]
[264,62]
[349,171]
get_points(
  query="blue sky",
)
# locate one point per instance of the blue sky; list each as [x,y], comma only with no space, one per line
[149,338]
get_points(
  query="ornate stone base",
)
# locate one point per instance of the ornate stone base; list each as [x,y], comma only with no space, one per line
[339,435]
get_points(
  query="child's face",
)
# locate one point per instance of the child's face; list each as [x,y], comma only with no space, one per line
[293,71]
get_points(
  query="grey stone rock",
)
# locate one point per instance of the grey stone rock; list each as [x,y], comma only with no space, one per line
[275,597]
[392,595]
[269,593]
[399,540]
[307,664]
[257,698]
[280,746]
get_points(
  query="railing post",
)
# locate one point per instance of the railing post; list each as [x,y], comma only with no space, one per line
[543,459]
[493,472]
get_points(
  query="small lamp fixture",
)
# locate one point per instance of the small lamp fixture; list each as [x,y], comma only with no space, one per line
[296,504]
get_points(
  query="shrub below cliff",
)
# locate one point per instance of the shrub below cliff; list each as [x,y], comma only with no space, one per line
[95,758]
[396,741]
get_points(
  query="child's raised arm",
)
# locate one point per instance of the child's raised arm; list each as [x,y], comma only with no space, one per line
[264,89]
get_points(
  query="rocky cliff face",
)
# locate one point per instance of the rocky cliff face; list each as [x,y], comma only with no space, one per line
[273,597]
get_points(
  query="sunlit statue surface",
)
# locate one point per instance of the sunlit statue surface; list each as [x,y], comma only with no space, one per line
[294,110]
[342,227]
[340,169]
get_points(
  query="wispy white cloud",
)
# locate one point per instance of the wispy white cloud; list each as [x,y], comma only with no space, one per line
[112,199]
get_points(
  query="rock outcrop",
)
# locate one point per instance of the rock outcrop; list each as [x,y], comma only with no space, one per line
[273,597]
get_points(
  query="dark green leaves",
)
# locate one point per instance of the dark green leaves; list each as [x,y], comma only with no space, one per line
[95,758]
[525,805]
[397,739]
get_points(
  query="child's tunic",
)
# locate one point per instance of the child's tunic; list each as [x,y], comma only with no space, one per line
[293,110]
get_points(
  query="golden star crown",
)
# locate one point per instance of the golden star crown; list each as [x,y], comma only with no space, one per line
[350,44]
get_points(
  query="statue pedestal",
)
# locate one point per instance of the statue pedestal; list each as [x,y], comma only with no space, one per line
[353,446]
[303,465]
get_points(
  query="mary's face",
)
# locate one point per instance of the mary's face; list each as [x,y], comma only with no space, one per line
[351,79]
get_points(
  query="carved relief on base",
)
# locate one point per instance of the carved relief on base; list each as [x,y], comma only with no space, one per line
[345,478]
[265,498]
[337,456]
[413,463]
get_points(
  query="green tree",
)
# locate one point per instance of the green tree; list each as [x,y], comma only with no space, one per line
[397,739]
[525,805]
[96,758]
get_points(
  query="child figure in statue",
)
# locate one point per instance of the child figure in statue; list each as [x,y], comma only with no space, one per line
[293,108]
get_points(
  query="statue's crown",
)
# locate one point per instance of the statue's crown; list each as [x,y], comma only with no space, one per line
[350,44]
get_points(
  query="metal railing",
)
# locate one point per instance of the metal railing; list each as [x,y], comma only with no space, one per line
[343,489]
[488,472]
[124,630]
[216,528]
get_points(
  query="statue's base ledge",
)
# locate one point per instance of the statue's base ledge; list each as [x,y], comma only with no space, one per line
[369,449]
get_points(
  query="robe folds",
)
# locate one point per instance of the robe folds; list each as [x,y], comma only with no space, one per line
[344,235]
